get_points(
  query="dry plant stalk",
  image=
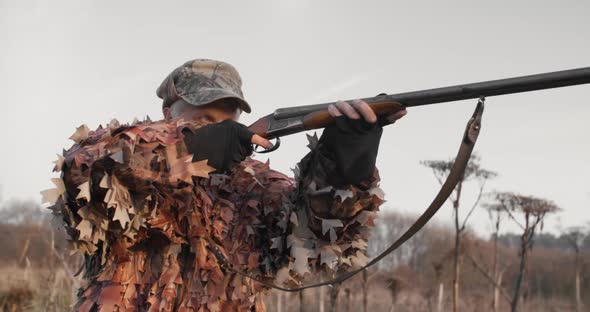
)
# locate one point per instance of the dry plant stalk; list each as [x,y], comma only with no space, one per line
[533,211]
[474,171]
[575,236]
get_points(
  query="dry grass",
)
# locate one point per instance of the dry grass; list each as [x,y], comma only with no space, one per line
[30,289]
[43,284]
[33,289]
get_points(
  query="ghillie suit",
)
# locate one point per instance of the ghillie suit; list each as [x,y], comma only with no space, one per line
[148,221]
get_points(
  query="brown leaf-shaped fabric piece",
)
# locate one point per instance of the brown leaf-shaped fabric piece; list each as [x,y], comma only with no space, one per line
[148,220]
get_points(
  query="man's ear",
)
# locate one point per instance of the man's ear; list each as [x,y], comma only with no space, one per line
[237,114]
[167,113]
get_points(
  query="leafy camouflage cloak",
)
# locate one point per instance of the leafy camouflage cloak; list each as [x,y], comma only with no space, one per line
[146,218]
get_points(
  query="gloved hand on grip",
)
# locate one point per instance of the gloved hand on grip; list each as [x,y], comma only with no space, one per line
[223,144]
[352,141]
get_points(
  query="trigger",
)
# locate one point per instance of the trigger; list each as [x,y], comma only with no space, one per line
[272,149]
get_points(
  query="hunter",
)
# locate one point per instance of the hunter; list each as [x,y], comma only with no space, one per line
[160,210]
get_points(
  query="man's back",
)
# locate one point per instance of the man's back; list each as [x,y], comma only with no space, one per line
[149,221]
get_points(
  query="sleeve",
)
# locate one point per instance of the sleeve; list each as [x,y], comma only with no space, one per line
[109,194]
[328,227]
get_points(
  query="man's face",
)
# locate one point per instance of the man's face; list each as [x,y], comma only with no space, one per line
[214,112]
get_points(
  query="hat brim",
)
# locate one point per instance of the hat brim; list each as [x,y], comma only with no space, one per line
[209,95]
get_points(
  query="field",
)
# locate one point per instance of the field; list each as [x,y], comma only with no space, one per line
[37,273]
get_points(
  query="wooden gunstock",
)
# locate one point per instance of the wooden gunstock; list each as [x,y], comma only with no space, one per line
[322,118]
[261,126]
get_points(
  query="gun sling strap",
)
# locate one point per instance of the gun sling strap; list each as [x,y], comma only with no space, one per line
[455,176]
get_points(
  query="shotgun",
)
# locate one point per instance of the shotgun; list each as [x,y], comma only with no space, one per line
[290,120]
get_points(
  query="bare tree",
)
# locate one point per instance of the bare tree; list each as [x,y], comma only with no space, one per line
[334,291]
[388,227]
[495,213]
[533,211]
[395,285]
[301,304]
[279,301]
[321,301]
[348,294]
[25,212]
[438,269]
[365,290]
[499,289]
[441,286]
[473,172]
[575,236]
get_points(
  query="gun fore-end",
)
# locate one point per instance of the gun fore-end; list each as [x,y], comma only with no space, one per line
[322,118]
[271,127]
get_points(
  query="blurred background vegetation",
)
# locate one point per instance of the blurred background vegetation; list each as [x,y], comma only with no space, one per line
[38,272]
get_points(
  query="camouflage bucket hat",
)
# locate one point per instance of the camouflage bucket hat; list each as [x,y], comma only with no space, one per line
[201,82]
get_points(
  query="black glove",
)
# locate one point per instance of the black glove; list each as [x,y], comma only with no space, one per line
[223,144]
[353,145]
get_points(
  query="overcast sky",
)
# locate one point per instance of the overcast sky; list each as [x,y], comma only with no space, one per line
[67,63]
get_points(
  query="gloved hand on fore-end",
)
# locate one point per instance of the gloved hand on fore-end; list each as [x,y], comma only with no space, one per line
[352,141]
[223,144]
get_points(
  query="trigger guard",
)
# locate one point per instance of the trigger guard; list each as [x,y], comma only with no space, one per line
[272,149]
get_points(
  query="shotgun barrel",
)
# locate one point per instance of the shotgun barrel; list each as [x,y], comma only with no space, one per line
[463,92]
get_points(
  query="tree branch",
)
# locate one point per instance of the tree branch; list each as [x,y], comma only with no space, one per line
[512,217]
[62,260]
[474,204]
[437,177]
[489,278]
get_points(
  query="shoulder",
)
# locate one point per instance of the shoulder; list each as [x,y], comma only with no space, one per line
[90,145]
